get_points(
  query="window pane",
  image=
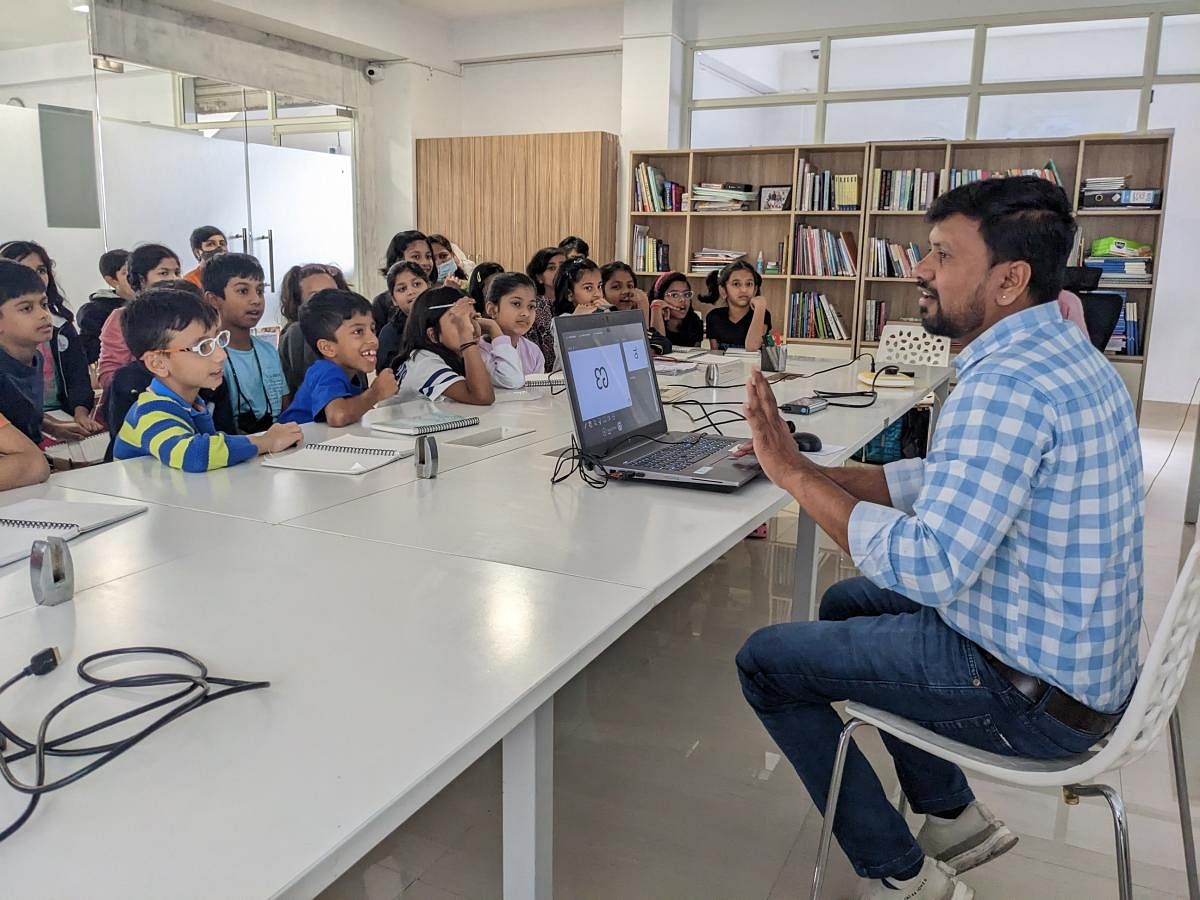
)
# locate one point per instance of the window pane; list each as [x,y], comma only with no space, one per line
[755,71]
[887,61]
[1054,115]
[752,126]
[1099,49]
[1180,50]
[896,120]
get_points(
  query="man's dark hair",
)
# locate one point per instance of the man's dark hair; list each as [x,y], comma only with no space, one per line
[203,233]
[157,314]
[326,310]
[17,280]
[220,270]
[111,262]
[1020,218]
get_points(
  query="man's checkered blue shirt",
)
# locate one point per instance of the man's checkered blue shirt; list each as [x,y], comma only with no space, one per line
[1023,526]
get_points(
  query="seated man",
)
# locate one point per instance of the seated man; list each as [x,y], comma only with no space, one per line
[1002,576]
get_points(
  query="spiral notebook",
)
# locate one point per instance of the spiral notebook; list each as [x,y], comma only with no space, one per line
[345,455]
[553,380]
[31,520]
[426,423]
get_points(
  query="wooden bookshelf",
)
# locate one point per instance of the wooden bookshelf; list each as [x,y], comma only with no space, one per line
[1146,157]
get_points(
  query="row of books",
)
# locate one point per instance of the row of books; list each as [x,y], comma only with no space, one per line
[874,318]
[959,177]
[812,315]
[1126,338]
[1120,271]
[821,191]
[649,253]
[817,251]
[653,192]
[904,190]
[890,259]
[710,259]
[725,196]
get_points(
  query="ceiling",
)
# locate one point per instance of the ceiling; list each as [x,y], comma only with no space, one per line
[467,9]
[44,22]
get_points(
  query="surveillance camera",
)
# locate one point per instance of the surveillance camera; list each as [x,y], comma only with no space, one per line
[373,71]
[815,53]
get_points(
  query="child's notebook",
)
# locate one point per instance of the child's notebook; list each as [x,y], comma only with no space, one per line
[345,455]
[553,379]
[31,520]
[425,423]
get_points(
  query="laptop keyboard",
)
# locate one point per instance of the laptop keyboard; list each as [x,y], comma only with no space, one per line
[685,454]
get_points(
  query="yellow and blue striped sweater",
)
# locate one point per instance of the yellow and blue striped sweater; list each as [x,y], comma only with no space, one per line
[162,425]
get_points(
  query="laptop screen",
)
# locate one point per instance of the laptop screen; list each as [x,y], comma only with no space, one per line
[610,377]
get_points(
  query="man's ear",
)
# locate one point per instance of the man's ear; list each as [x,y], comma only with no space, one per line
[327,349]
[1014,281]
[157,363]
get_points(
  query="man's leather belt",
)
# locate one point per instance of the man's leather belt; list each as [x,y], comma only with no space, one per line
[1060,706]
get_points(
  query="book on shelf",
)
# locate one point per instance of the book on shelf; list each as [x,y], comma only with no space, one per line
[875,317]
[812,315]
[822,191]
[1106,182]
[650,254]
[727,192]
[1122,270]
[1090,198]
[721,206]
[905,190]
[890,259]
[818,251]
[654,192]
[710,259]
[959,177]
[1126,337]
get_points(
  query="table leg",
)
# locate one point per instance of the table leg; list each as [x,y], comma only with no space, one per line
[528,792]
[804,573]
[1193,494]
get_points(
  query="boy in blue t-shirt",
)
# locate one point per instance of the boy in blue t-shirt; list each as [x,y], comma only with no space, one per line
[233,283]
[339,325]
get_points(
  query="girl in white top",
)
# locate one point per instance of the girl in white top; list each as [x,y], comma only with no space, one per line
[439,354]
[511,306]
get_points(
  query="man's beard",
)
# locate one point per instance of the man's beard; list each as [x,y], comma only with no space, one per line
[942,324]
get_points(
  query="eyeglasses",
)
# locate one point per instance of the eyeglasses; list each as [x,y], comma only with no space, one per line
[679,295]
[206,347]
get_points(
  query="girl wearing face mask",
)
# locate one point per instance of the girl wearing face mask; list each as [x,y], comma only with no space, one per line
[744,319]
[449,270]
[684,328]
[406,246]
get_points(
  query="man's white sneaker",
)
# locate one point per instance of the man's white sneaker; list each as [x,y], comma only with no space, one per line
[972,839]
[934,882]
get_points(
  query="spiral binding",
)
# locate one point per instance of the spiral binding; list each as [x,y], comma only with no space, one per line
[42,526]
[365,451]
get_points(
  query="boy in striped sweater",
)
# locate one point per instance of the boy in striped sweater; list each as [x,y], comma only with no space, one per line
[174,333]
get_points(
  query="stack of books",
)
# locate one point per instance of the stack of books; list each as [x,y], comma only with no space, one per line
[811,315]
[710,259]
[1106,183]
[892,260]
[649,253]
[1126,337]
[1123,271]
[821,191]
[959,177]
[905,190]
[817,251]
[728,196]
[1111,192]
[874,320]
[653,192]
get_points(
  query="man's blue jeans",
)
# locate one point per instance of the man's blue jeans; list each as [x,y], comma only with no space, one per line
[882,649]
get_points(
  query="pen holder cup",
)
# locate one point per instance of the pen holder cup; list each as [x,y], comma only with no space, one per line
[774,359]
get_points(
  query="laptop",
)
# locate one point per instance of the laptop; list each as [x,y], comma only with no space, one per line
[619,420]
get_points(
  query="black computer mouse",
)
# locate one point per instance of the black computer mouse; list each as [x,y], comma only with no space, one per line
[807,442]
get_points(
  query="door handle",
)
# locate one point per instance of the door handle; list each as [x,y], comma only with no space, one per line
[243,236]
[269,237]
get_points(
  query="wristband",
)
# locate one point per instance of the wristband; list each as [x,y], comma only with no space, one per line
[467,345]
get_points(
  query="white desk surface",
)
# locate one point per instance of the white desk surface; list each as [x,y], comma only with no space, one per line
[276,792]
[253,491]
[159,535]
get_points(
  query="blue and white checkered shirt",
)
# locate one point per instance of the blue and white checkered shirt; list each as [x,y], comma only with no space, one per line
[1023,527]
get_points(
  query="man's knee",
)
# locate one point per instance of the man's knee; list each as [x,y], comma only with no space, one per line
[842,601]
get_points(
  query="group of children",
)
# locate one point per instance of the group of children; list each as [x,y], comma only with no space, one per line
[185,379]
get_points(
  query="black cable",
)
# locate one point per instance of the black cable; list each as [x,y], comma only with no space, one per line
[197,691]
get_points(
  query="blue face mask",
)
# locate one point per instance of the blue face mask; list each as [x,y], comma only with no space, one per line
[445,269]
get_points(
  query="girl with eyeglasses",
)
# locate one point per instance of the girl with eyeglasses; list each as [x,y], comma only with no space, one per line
[684,327]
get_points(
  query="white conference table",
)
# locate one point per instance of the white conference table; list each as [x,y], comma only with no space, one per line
[577,567]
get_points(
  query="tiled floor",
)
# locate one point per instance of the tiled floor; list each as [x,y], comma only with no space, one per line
[667,787]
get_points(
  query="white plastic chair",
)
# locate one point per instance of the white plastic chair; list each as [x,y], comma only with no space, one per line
[910,344]
[1152,704]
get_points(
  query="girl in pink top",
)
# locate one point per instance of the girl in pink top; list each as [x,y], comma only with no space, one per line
[147,265]
[511,304]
